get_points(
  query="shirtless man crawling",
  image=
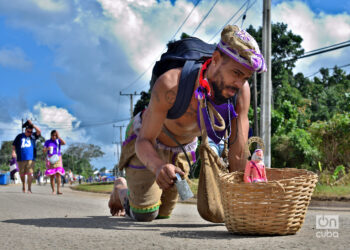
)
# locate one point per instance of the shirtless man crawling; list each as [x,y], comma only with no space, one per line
[151,158]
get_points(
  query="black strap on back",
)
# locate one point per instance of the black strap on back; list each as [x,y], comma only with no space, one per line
[168,133]
[187,82]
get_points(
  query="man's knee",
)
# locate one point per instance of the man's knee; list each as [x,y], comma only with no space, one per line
[144,217]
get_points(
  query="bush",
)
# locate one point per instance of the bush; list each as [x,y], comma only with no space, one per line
[332,140]
[294,150]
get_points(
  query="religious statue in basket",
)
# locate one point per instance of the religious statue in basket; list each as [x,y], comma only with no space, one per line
[255,169]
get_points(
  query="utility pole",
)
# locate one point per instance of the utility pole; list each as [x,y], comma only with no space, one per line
[131,102]
[266,85]
[120,143]
[255,106]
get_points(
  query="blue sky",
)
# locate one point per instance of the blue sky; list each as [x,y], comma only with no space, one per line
[64,62]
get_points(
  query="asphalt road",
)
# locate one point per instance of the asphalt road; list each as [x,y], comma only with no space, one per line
[79,220]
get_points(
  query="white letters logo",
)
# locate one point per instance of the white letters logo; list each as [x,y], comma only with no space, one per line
[327,221]
[26,143]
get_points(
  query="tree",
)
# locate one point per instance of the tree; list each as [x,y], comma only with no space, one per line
[77,158]
[5,152]
[332,139]
[284,45]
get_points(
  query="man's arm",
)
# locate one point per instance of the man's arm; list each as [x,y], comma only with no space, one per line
[162,99]
[239,135]
[37,129]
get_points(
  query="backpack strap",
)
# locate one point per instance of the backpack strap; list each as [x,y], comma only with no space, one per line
[187,81]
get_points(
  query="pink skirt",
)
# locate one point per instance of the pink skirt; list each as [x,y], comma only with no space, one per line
[52,169]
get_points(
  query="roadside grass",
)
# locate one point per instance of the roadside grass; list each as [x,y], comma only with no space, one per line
[324,191]
[321,190]
[101,187]
[106,187]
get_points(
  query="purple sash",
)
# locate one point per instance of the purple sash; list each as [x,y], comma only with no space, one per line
[222,109]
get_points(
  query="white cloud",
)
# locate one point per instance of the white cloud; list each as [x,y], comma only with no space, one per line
[317,30]
[14,58]
[52,117]
[52,6]
[47,118]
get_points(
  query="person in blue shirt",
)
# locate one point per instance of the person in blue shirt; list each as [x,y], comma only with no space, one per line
[24,149]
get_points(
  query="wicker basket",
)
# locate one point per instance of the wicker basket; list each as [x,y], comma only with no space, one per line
[277,207]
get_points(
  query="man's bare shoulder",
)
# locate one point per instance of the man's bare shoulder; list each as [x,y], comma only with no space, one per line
[169,79]
[166,86]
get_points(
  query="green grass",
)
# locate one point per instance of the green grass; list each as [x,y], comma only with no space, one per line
[194,186]
[323,191]
[105,187]
[332,191]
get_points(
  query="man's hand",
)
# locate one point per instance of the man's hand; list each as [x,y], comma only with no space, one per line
[14,154]
[165,175]
[29,122]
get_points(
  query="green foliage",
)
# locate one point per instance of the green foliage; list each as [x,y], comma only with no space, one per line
[4,167]
[77,158]
[5,152]
[294,149]
[142,103]
[335,177]
[332,139]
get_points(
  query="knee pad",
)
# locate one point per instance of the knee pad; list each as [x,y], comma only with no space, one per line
[142,217]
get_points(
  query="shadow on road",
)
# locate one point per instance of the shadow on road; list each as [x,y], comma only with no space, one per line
[103,222]
[117,223]
[211,235]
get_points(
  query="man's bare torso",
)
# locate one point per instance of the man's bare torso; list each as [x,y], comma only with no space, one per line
[185,129]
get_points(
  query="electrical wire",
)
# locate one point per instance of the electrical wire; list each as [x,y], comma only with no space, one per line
[330,46]
[205,17]
[177,31]
[320,51]
[245,14]
[343,66]
[233,16]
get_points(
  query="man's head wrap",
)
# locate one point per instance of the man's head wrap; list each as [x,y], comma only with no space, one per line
[242,47]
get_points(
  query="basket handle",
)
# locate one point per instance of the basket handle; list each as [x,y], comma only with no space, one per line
[278,184]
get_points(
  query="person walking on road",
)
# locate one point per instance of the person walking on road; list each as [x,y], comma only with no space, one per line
[24,150]
[54,164]
[38,176]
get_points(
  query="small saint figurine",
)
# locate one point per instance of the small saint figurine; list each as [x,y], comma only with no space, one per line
[255,169]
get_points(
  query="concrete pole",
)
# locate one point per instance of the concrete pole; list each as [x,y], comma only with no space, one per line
[266,85]
[131,102]
[255,106]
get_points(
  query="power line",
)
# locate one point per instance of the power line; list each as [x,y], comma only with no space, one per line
[151,65]
[230,19]
[185,20]
[320,51]
[80,126]
[205,17]
[330,46]
[343,66]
